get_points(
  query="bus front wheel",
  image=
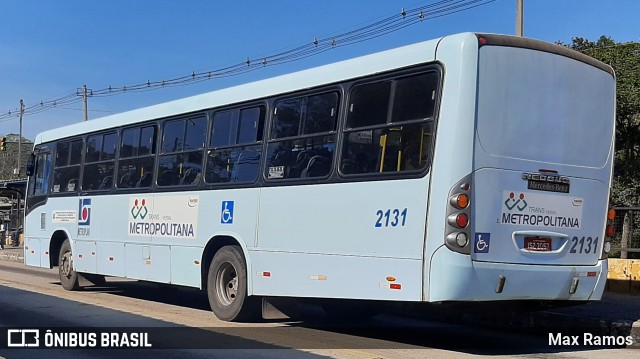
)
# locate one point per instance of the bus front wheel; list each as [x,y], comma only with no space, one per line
[227,286]
[68,275]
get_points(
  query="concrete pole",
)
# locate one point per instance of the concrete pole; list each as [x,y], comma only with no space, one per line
[519,18]
[84,100]
[20,139]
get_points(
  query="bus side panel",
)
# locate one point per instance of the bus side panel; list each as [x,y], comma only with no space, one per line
[148,262]
[32,252]
[333,276]
[111,259]
[359,232]
[453,155]
[85,258]
[185,266]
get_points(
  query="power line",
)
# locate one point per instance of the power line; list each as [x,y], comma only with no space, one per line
[371,31]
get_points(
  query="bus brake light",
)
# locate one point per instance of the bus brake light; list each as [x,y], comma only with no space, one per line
[610,231]
[459,220]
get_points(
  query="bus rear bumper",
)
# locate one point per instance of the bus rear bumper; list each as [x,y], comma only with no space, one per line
[455,277]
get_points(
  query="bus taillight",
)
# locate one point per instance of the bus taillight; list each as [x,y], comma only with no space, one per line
[459,217]
[459,220]
[609,232]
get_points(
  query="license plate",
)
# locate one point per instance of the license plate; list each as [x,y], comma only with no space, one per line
[537,244]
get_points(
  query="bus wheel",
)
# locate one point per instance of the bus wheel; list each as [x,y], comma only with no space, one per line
[227,286]
[68,275]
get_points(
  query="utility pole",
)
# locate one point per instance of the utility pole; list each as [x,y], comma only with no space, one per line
[84,100]
[20,138]
[519,18]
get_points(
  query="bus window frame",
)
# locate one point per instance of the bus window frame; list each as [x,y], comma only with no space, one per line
[80,165]
[155,124]
[116,152]
[390,76]
[266,121]
[337,88]
[160,152]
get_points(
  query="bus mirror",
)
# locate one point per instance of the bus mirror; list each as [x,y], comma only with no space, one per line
[31,164]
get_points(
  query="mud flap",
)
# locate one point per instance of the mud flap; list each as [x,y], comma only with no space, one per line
[279,308]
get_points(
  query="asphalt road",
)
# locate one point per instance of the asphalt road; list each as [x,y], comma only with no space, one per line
[178,323]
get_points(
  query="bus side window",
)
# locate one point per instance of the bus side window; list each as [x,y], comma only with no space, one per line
[39,185]
[234,150]
[67,166]
[303,137]
[99,159]
[137,157]
[379,140]
[182,147]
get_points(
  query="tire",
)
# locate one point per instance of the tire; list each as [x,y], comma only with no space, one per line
[68,275]
[227,286]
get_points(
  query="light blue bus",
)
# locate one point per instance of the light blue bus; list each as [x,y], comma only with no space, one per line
[472,167]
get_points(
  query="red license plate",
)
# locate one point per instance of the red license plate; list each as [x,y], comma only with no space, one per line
[537,244]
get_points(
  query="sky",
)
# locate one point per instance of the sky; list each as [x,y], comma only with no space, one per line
[49,49]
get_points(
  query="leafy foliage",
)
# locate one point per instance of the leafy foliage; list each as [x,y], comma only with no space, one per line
[8,158]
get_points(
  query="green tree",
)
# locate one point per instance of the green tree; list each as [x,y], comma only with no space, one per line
[625,60]
[9,158]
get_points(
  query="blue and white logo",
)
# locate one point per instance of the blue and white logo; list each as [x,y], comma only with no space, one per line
[84,211]
[481,243]
[226,214]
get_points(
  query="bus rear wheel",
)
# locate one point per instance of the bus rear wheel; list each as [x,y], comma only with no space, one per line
[227,286]
[68,275]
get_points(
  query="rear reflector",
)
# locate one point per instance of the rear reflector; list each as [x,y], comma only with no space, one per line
[610,231]
[395,286]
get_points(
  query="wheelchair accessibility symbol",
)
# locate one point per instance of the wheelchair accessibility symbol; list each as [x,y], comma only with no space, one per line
[226,214]
[481,243]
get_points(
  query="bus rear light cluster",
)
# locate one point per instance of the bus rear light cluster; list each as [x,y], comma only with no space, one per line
[458,217]
[609,232]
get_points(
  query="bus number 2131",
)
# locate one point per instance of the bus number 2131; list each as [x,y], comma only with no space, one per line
[391,217]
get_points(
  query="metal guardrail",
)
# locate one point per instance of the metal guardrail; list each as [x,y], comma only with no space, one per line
[621,249]
[626,240]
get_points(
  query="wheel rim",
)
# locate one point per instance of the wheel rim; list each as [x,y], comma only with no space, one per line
[226,284]
[66,264]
